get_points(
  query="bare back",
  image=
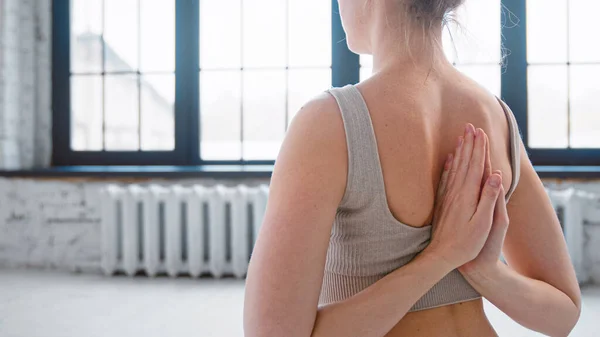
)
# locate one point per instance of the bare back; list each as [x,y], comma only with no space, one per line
[417,123]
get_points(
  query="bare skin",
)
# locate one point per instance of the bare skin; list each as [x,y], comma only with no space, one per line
[419,107]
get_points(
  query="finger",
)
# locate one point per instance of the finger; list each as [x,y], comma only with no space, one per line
[465,155]
[501,219]
[498,172]
[442,187]
[487,171]
[455,160]
[487,202]
[477,163]
[500,223]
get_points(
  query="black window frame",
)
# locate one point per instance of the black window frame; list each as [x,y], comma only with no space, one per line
[345,69]
[515,90]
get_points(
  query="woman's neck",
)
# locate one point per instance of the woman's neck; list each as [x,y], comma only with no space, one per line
[403,46]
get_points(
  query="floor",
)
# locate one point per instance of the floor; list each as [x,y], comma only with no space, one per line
[48,304]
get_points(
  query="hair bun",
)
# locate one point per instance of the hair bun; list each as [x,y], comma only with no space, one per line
[433,9]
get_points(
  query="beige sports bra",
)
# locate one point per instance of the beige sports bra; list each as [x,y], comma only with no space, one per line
[367,242]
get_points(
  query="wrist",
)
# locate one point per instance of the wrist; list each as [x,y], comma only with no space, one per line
[489,271]
[437,260]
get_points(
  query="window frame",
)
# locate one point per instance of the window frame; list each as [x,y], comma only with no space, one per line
[345,69]
[185,99]
[514,89]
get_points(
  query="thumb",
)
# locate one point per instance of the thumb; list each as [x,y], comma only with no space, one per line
[487,201]
[501,219]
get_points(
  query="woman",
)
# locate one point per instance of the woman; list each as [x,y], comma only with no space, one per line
[364,237]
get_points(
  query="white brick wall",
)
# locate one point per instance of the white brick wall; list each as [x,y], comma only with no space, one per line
[25,83]
[49,224]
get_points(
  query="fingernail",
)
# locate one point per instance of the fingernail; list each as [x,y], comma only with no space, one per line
[468,128]
[495,181]
[461,139]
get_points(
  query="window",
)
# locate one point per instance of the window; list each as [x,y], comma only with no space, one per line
[474,46]
[184,82]
[552,79]
[256,73]
[122,75]
[564,75]
[187,82]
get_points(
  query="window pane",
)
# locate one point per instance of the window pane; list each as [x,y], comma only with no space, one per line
[477,36]
[366,66]
[220,122]
[583,35]
[585,106]
[86,113]
[547,31]
[122,113]
[305,85]
[264,113]
[366,61]
[86,31]
[157,40]
[121,35]
[365,73]
[486,75]
[157,112]
[220,34]
[309,44]
[547,110]
[264,40]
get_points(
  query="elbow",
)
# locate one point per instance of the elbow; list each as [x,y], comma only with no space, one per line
[263,329]
[273,325]
[572,315]
[576,313]
[570,324]
[576,316]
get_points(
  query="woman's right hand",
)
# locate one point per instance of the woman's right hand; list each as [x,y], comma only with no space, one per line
[464,207]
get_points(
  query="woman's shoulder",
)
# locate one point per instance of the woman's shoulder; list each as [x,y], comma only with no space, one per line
[314,148]
[317,129]
[320,114]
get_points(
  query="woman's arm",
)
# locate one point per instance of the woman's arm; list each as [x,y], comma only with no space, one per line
[538,288]
[286,271]
[535,304]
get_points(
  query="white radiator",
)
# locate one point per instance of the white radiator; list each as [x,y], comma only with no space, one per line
[177,230]
[211,230]
[572,207]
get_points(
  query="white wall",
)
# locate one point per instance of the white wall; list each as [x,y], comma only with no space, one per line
[56,224]
[49,223]
[25,83]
